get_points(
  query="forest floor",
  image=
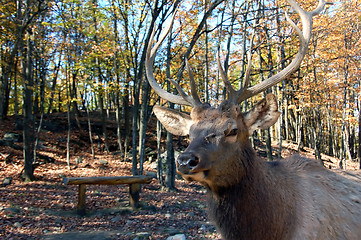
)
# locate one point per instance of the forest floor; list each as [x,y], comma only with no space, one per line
[45,208]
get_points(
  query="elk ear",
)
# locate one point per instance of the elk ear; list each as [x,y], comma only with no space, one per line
[175,122]
[263,115]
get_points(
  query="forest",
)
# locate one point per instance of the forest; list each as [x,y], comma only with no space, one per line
[79,66]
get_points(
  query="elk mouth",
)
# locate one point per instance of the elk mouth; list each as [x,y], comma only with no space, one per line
[187,163]
[197,176]
[191,167]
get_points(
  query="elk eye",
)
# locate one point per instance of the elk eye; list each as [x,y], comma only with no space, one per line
[233,132]
[210,137]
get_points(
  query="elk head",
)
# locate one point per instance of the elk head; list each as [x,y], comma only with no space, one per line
[219,152]
[218,137]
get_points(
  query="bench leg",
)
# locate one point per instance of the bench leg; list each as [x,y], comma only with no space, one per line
[81,199]
[134,195]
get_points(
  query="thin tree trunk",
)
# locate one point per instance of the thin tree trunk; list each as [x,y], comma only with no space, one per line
[281,122]
[170,162]
[143,125]
[53,85]
[170,176]
[68,136]
[28,172]
[330,135]
[37,137]
[267,131]
[135,112]
[42,100]
[206,70]
[35,88]
[68,116]
[118,120]
[219,49]
[347,144]
[244,43]
[104,125]
[42,64]
[282,57]
[359,131]
[287,125]
[117,76]
[89,126]
[159,158]
[126,120]
[16,97]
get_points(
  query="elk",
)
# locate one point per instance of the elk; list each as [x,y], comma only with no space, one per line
[249,198]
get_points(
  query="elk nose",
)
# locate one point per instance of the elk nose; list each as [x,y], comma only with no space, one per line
[186,162]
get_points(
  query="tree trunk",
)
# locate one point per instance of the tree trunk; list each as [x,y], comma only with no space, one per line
[206,70]
[135,112]
[89,126]
[299,131]
[28,172]
[126,119]
[143,125]
[284,110]
[280,120]
[347,144]
[68,116]
[159,158]
[267,131]
[170,162]
[359,132]
[53,84]
[170,175]
[330,134]
[118,120]
[68,137]
[16,92]
[102,117]
[37,137]
[117,76]
[42,100]
[244,43]
[317,133]
[35,88]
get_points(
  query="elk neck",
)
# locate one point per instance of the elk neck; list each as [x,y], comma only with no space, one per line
[260,206]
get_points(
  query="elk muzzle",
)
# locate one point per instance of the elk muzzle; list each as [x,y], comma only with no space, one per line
[186,163]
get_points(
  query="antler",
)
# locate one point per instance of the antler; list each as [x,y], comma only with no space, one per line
[183,98]
[305,37]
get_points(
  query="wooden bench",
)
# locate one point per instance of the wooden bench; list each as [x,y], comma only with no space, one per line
[133,182]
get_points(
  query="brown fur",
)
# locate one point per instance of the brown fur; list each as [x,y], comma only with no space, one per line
[249,198]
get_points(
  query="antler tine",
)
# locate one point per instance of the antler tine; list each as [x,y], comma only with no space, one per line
[149,61]
[195,96]
[227,83]
[249,65]
[304,36]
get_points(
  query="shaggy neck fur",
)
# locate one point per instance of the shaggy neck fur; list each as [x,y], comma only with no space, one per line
[260,206]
